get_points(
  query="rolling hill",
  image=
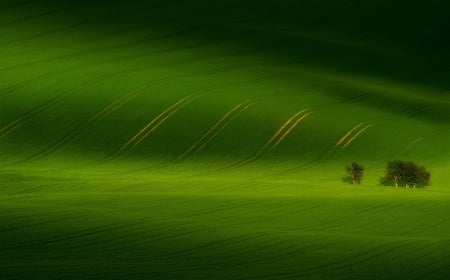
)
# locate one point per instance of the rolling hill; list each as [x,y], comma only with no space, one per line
[200,140]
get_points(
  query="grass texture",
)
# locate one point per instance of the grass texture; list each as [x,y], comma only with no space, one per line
[208,140]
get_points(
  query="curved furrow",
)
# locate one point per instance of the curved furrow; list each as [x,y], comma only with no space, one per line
[230,254]
[410,146]
[326,153]
[98,49]
[41,15]
[265,148]
[155,124]
[72,236]
[268,144]
[41,223]
[411,110]
[195,94]
[35,189]
[70,27]
[268,259]
[124,236]
[224,126]
[287,132]
[23,84]
[157,229]
[336,265]
[347,134]
[286,127]
[154,239]
[70,69]
[353,138]
[260,153]
[140,26]
[17,4]
[351,262]
[7,91]
[198,213]
[148,129]
[281,214]
[210,133]
[329,224]
[41,108]
[76,132]
[151,130]
[128,187]
[338,146]
[134,43]
[330,151]
[211,245]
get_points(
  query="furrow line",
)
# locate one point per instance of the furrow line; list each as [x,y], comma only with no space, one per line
[151,130]
[223,127]
[17,4]
[332,266]
[218,124]
[279,131]
[102,49]
[264,149]
[348,134]
[41,108]
[44,14]
[83,233]
[269,144]
[351,262]
[271,258]
[287,132]
[329,151]
[148,128]
[356,135]
[76,132]
[53,221]
[217,244]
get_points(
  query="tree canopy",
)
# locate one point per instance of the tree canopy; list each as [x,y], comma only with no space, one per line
[355,172]
[406,173]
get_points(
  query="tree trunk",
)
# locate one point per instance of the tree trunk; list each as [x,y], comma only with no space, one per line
[395,181]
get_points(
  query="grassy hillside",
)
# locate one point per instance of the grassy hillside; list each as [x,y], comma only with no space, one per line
[190,139]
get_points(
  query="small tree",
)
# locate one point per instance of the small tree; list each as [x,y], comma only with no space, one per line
[355,172]
[394,173]
[406,173]
[423,178]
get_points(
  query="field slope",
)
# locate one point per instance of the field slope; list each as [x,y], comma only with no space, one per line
[198,140]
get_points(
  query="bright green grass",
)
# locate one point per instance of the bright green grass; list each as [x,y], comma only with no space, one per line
[103,176]
[131,227]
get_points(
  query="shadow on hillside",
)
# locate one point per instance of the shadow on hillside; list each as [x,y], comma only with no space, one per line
[373,38]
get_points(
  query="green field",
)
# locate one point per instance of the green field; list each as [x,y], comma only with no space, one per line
[208,140]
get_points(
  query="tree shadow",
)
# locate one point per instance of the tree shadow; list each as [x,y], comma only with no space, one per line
[347,180]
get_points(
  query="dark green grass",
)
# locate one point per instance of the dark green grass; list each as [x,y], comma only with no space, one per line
[105,173]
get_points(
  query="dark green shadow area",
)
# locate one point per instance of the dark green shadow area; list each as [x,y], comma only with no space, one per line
[394,40]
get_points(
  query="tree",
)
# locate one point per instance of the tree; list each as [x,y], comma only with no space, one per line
[394,172]
[406,173]
[355,172]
